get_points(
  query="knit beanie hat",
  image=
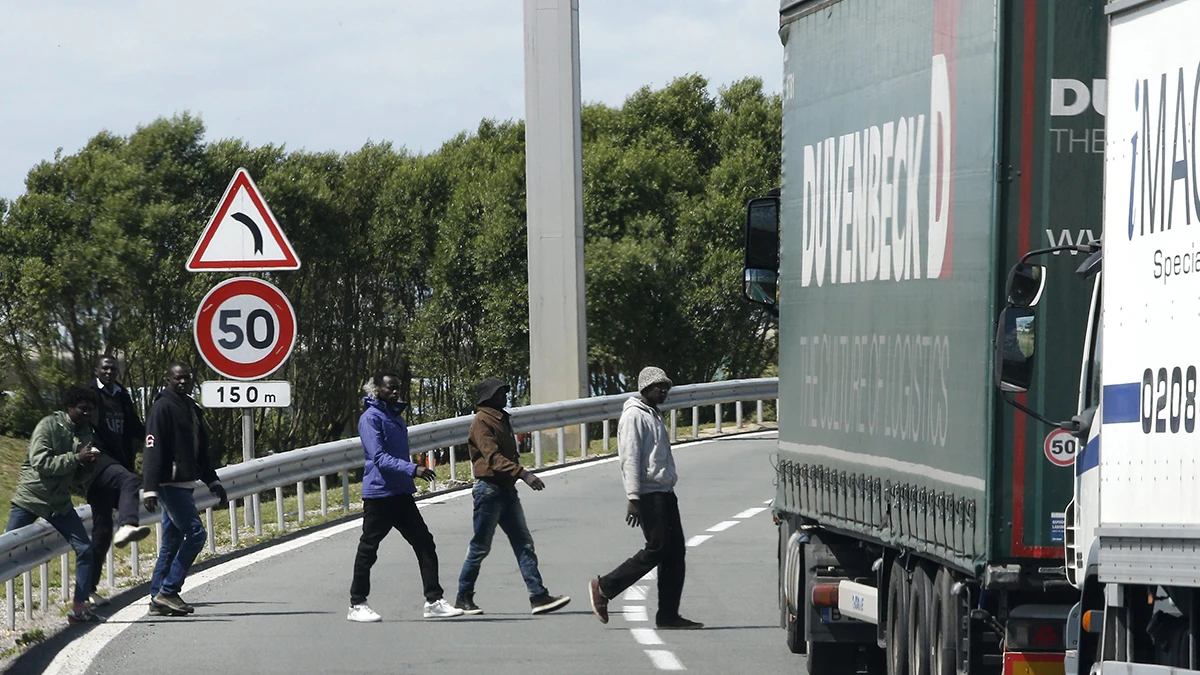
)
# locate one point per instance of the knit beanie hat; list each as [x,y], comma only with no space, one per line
[651,376]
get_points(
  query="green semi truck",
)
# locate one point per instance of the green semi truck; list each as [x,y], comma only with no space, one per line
[927,145]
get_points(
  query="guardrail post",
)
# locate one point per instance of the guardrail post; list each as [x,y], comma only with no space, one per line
[324,496]
[583,441]
[211,521]
[257,514]
[758,404]
[135,567]
[66,578]
[27,580]
[453,463]
[695,422]
[776,411]
[44,577]
[537,449]
[233,522]
[674,419]
[346,490]
[738,410]
[10,602]
[605,427]
[562,448]
[110,575]
[718,415]
[300,507]
[279,508]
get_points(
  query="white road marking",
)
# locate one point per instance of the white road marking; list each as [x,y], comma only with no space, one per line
[646,636]
[636,593]
[768,501]
[636,613]
[723,525]
[750,512]
[664,660]
[651,575]
[698,539]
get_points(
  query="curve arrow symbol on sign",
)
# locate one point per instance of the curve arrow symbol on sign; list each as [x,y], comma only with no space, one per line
[253,227]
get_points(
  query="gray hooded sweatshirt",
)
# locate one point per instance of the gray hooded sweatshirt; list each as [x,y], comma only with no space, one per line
[644,447]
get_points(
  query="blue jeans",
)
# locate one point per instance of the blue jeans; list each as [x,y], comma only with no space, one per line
[495,505]
[70,526]
[183,538]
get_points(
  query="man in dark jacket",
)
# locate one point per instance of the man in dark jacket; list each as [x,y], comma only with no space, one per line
[114,483]
[175,457]
[497,466]
[388,502]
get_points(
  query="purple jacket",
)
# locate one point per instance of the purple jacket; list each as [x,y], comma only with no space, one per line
[389,468]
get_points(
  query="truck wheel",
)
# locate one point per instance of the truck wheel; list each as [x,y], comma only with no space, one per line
[832,658]
[791,593]
[946,626]
[920,604]
[896,648]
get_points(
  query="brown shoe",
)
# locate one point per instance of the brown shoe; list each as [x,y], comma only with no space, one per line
[599,602]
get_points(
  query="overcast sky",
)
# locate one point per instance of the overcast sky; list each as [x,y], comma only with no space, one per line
[333,74]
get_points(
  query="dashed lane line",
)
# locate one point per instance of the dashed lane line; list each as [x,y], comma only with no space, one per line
[749,513]
[664,660]
[698,539]
[646,636]
[636,592]
[723,525]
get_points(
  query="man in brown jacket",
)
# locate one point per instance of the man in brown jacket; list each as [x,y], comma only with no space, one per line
[497,467]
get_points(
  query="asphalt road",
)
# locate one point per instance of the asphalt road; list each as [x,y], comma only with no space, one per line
[287,613]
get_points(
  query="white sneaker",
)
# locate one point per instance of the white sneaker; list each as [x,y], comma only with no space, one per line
[362,614]
[441,610]
[128,533]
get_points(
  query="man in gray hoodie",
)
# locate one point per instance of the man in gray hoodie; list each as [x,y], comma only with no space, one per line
[648,473]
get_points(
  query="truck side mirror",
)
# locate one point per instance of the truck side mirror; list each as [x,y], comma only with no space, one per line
[1026,282]
[1015,338]
[761,279]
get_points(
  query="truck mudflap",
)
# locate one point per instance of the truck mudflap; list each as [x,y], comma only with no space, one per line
[1033,663]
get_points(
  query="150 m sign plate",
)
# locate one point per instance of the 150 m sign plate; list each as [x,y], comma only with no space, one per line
[218,394]
[245,328]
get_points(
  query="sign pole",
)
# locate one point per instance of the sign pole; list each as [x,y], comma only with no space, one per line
[251,501]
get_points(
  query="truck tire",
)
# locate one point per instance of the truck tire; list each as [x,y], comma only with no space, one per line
[921,615]
[946,640]
[791,592]
[896,647]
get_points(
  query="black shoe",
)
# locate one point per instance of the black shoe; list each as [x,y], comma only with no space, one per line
[679,623]
[599,602]
[467,604]
[173,601]
[545,603]
[85,616]
[162,610]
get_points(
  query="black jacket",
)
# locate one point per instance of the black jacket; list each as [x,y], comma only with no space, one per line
[119,431]
[176,443]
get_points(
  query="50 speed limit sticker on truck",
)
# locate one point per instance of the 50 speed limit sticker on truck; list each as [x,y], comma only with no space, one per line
[1061,447]
[245,328]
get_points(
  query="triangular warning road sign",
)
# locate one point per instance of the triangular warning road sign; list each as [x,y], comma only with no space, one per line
[242,235]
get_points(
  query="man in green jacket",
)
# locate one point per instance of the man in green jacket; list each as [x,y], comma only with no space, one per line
[61,455]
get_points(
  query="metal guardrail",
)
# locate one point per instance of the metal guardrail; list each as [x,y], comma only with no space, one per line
[34,546]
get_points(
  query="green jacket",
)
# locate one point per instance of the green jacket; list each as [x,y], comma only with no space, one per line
[52,466]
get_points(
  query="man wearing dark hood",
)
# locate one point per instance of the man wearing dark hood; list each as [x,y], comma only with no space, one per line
[497,468]
[119,432]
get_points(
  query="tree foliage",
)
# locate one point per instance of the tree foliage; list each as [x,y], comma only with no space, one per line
[417,263]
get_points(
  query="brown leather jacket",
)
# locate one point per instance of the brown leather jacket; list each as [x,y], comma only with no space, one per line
[493,448]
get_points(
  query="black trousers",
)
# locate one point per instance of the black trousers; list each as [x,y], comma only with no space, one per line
[114,486]
[379,517]
[664,549]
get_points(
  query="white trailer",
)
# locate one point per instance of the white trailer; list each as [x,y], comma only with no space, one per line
[1133,528]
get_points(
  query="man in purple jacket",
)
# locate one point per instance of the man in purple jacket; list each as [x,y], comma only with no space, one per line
[388,503]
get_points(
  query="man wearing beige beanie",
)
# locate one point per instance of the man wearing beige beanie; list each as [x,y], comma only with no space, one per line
[648,474]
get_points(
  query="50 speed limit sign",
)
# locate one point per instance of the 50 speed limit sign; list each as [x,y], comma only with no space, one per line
[245,328]
[1061,447]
